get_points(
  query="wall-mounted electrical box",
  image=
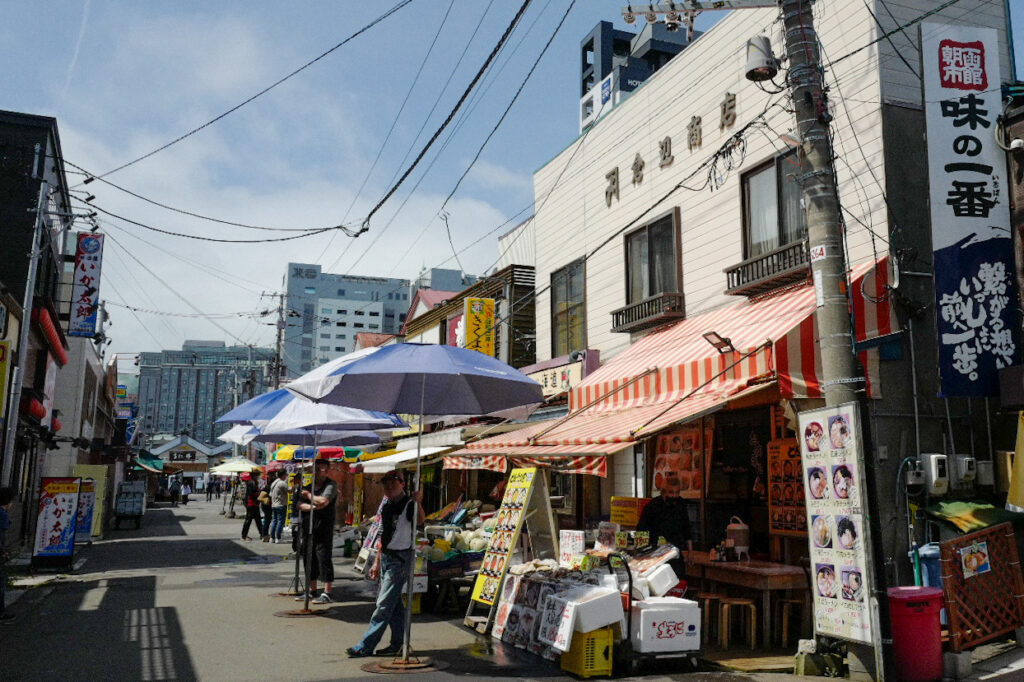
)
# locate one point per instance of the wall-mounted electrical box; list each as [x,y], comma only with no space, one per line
[964,469]
[915,476]
[936,473]
[985,475]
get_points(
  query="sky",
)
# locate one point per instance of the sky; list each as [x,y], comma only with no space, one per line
[320,149]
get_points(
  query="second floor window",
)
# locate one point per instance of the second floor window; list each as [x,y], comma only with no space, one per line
[651,260]
[772,213]
[568,310]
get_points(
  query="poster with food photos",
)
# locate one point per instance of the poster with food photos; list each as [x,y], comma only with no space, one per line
[679,459]
[505,535]
[832,468]
[786,514]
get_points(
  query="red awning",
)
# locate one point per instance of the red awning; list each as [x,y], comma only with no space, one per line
[774,337]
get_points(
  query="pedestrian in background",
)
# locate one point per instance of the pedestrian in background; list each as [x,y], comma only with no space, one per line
[278,505]
[209,490]
[186,490]
[321,501]
[391,565]
[173,491]
[216,488]
[6,497]
[266,507]
[250,493]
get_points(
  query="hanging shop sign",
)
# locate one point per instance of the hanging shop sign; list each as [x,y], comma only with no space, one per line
[85,291]
[974,286]
[786,513]
[478,318]
[833,469]
[560,379]
[55,523]
[86,508]
[505,536]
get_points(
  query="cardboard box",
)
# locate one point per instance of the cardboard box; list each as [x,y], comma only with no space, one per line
[666,624]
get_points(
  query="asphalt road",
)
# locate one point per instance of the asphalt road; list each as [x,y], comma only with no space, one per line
[185,599]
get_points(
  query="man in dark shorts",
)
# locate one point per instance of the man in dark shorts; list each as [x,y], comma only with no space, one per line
[322,500]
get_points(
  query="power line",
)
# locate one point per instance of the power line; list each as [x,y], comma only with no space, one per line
[262,92]
[448,119]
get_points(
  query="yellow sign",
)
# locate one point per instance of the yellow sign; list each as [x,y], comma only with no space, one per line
[478,319]
[625,511]
[510,518]
[5,354]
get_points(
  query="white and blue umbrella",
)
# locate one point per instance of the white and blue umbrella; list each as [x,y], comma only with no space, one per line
[281,410]
[416,378]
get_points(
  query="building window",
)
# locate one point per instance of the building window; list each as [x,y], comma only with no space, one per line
[772,213]
[568,310]
[340,324]
[339,336]
[325,336]
[358,325]
[338,348]
[325,311]
[325,347]
[343,312]
[341,292]
[374,313]
[374,326]
[310,290]
[651,260]
[360,312]
[391,295]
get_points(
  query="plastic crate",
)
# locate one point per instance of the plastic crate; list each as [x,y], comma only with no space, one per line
[590,654]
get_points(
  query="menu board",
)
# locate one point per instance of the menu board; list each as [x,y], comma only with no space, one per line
[832,455]
[505,534]
[786,512]
[679,458]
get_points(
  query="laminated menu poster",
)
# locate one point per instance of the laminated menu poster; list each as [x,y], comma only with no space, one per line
[679,460]
[505,535]
[832,465]
[785,488]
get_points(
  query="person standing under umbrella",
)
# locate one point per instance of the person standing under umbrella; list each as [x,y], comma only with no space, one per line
[392,565]
[279,504]
[324,498]
[251,493]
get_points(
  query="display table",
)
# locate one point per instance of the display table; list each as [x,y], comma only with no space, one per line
[763,576]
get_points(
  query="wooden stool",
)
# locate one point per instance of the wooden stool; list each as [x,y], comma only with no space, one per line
[707,607]
[725,627]
[783,609]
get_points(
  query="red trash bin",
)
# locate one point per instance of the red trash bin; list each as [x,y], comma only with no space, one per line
[916,632]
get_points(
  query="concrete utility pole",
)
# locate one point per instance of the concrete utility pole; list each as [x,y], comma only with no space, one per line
[824,233]
[279,344]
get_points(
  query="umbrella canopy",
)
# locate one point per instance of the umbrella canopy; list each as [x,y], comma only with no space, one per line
[233,466]
[310,436]
[406,377]
[280,411]
[240,434]
[291,452]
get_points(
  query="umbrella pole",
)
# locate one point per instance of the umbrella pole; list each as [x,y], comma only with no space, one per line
[406,649]
[309,534]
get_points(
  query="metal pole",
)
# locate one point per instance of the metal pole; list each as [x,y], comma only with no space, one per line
[406,648]
[280,341]
[14,404]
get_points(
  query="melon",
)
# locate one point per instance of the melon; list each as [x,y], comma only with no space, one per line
[477,545]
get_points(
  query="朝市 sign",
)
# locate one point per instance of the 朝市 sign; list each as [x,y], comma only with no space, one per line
[973,259]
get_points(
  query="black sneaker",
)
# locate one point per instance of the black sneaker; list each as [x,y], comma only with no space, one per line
[392,650]
[356,653]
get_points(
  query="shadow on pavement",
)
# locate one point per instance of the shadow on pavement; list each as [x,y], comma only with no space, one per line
[157,522]
[112,625]
[135,554]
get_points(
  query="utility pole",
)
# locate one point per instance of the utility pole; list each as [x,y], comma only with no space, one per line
[14,405]
[279,344]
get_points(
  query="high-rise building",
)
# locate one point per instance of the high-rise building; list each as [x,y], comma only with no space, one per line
[182,392]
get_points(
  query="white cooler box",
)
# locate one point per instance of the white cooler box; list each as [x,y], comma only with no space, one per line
[665,625]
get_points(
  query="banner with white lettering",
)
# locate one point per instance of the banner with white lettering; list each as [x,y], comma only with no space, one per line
[973,255]
[85,290]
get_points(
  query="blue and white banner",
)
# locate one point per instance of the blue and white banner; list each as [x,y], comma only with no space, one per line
[58,514]
[975,293]
[85,289]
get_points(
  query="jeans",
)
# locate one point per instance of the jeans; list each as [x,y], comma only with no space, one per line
[394,573]
[265,528]
[252,514]
[277,523]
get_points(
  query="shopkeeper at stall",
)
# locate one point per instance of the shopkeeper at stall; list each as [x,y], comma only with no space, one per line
[666,516]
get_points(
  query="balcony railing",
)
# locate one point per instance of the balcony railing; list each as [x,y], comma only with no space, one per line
[651,312]
[786,265]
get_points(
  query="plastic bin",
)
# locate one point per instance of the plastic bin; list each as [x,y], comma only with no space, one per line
[916,632]
[591,653]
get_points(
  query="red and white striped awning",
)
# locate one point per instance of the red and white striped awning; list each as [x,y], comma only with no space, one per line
[776,333]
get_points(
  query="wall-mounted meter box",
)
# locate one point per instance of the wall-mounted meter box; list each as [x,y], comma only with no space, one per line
[985,473]
[964,468]
[936,473]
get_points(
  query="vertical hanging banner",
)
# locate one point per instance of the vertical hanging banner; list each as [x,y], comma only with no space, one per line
[833,482]
[85,291]
[55,524]
[478,319]
[973,259]
[86,507]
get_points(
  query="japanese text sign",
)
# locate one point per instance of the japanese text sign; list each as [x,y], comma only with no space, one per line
[974,286]
[478,318]
[510,517]
[58,513]
[85,290]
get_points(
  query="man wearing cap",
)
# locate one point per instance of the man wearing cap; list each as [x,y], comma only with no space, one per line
[392,565]
[324,497]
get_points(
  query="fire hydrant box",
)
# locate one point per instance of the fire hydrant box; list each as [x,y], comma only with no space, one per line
[666,624]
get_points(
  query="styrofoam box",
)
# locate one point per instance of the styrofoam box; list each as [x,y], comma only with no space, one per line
[661,579]
[666,624]
[595,608]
